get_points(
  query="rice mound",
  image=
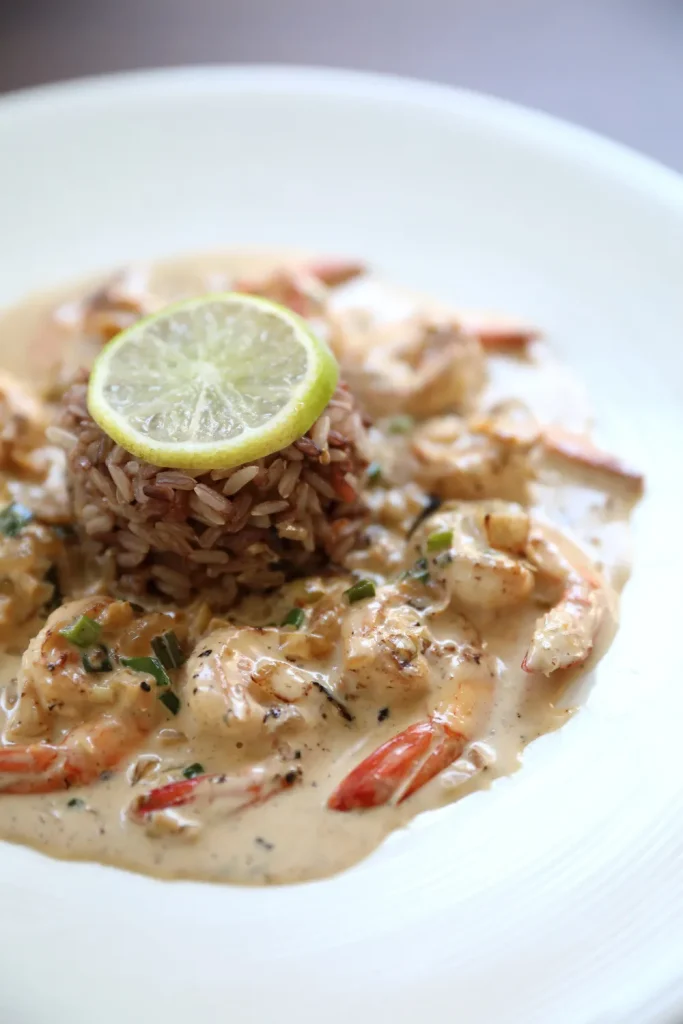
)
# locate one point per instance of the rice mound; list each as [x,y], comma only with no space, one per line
[220,533]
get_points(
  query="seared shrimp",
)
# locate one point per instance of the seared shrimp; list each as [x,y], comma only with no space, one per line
[29,564]
[385,643]
[420,366]
[483,457]
[474,550]
[239,683]
[82,708]
[565,635]
[409,760]
[22,430]
[116,304]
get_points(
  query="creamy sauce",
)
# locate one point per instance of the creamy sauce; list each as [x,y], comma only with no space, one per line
[293,836]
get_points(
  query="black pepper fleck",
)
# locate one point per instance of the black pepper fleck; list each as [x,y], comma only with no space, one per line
[206,653]
[260,841]
[144,685]
[382,714]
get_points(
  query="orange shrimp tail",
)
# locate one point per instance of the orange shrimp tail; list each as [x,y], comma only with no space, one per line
[381,776]
[174,794]
[30,761]
[242,792]
[448,750]
[505,339]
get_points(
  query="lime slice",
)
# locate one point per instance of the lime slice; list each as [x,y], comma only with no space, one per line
[212,383]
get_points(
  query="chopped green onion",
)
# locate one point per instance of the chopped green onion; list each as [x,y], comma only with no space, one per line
[75,801]
[171,701]
[193,770]
[374,472]
[400,424]
[295,617]
[97,659]
[440,540]
[150,666]
[419,572]
[167,650]
[14,518]
[84,632]
[359,591]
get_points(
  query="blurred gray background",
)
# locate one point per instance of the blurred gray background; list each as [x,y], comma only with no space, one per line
[613,65]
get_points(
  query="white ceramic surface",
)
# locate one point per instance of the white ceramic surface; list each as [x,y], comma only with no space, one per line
[556,897]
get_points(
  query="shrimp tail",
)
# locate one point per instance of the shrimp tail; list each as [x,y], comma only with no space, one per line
[31,762]
[399,767]
[334,272]
[504,338]
[243,790]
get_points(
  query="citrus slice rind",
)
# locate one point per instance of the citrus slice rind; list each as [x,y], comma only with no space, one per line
[212,382]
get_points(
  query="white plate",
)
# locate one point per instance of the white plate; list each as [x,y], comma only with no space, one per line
[558,895]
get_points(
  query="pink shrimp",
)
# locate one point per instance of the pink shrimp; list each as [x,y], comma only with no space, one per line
[581,451]
[253,786]
[78,760]
[564,636]
[409,760]
[115,707]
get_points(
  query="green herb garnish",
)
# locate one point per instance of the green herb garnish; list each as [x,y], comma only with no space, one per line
[167,649]
[169,698]
[151,666]
[75,801]
[193,770]
[84,632]
[97,659]
[295,617]
[359,591]
[419,572]
[14,518]
[400,424]
[440,540]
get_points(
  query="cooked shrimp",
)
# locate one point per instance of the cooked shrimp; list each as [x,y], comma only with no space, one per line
[483,457]
[385,643]
[22,430]
[84,753]
[409,760]
[116,304]
[420,366]
[235,792]
[239,684]
[86,719]
[582,452]
[303,289]
[564,636]
[29,567]
[479,563]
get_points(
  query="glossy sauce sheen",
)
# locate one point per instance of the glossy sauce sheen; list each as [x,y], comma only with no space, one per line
[293,836]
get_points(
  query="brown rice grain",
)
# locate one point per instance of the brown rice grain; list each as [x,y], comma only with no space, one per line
[239,479]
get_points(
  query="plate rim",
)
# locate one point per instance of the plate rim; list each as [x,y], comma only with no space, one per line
[654,180]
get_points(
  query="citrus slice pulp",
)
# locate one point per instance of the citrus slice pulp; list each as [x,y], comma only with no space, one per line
[212,383]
